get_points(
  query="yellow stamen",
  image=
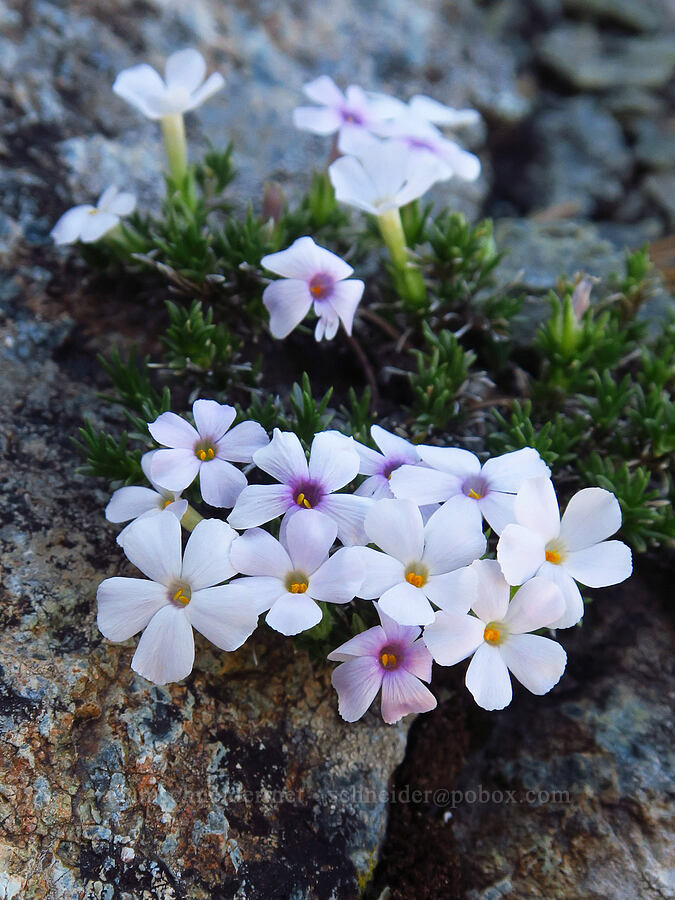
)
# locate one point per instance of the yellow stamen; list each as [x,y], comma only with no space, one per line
[388,660]
[416,580]
[180,597]
[553,556]
[473,494]
[316,290]
[205,453]
[166,502]
[298,587]
[491,634]
[301,500]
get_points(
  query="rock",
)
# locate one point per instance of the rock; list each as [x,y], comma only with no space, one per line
[655,146]
[661,188]
[639,15]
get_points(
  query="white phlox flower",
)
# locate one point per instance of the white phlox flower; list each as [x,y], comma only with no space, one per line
[89,223]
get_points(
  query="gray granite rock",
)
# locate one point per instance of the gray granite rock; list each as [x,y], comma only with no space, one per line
[639,15]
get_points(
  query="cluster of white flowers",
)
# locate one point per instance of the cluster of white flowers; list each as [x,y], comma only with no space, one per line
[409,537]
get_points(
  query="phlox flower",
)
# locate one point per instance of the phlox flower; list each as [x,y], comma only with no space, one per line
[333,463]
[89,223]
[355,110]
[391,657]
[489,490]
[384,177]
[180,595]
[287,577]
[137,502]
[311,275]
[429,110]
[206,450]
[419,563]
[564,550]
[182,89]
[497,637]
[395,452]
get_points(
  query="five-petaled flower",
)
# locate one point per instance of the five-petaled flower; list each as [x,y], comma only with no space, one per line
[395,452]
[89,223]
[497,636]
[207,450]
[489,490]
[310,275]
[564,550]
[180,595]
[389,656]
[287,577]
[333,463]
[420,563]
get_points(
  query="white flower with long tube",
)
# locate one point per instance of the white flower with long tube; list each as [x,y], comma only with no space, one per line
[89,223]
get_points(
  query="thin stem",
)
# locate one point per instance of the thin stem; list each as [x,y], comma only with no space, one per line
[175,145]
[409,279]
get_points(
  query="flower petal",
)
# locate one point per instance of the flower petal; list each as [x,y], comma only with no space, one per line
[591,516]
[536,508]
[381,572]
[345,298]
[451,637]
[293,613]
[536,604]
[508,472]
[173,431]
[212,419]
[497,509]
[206,560]
[174,469]
[257,553]
[96,225]
[185,69]
[402,694]
[352,184]
[453,536]
[338,580]
[367,643]
[242,441]
[260,592]
[453,591]
[288,301]
[166,650]
[126,605]
[349,511]
[537,662]
[324,91]
[423,485]
[220,483]
[308,538]
[608,562]
[214,83]
[375,488]
[371,462]
[131,502]
[574,604]
[520,553]
[393,446]
[488,678]
[316,119]
[492,591]
[396,527]
[259,503]
[333,461]
[357,682]
[223,616]
[432,111]
[418,661]
[142,87]
[395,632]
[283,458]
[452,460]
[153,545]
[407,605]
[69,227]
[123,204]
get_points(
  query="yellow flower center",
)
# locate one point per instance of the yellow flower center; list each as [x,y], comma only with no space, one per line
[553,556]
[494,633]
[301,500]
[205,451]
[388,659]
[473,494]
[416,579]
[182,595]
[298,587]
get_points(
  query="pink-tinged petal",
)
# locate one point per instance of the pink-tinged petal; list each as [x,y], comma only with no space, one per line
[327,323]
[381,572]
[355,140]
[393,446]
[339,579]
[497,509]
[376,488]
[166,650]
[453,591]
[574,604]
[288,301]
[185,69]
[214,83]
[318,120]
[302,260]
[462,164]
[492,591]
[146,466]
[453,536]
[153,545]
[452,637]
[222,616]
[608,562]
[69,227]
[418,661]
[432,111]
[371,462]
[357,682]
[283,458]
[324,91]
[308,538]
[591,516]
[396,527]
[178,508]
[123,204]
[348,511]
[510,471]
[131,502]
[333,461]
[257,553]
[142,87]
[537,662]
[345,298]
[535,605]
[206,560]
[352,184]
[172,431]
[239,444]
[96,225]
[488,678]
[212,419]
[368,643]
[293,613]
[260,592]
[407,605]
[402,694]
[126,605]
[421,175]
[520,553]
[395,632]
[220,483]
[423,485]
[323,261]
[259,503]
[536,508]
[175,469]
[452,460]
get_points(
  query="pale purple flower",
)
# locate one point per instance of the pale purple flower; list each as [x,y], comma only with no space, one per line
[420,564]
[207,450]
[453,472]
[138,502]
[430,110]
[395,452]
[568,550]
[180,595]
[89,223]
[391,657]
[333,463]
[311,275]
[496,636]
[289,576]
[182,89]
